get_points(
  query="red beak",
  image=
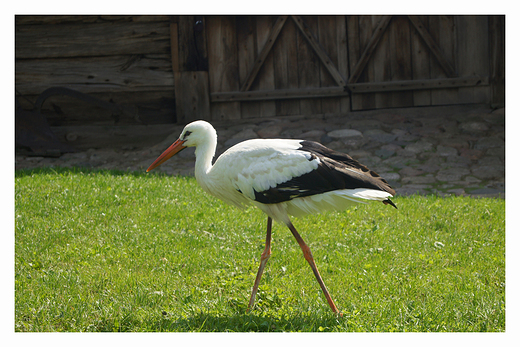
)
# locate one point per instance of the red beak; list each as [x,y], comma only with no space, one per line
[167,154]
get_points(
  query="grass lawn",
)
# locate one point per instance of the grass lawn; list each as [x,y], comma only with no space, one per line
[114,251]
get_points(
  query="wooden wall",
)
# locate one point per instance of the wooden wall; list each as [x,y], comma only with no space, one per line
[166,69]
[124,60]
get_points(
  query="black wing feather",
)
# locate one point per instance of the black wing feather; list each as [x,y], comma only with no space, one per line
[336,171]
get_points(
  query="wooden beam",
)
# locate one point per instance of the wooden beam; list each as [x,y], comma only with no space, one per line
[174,44]
[371,87]
[275,31]
[192,96]
[371,46]
[439,83]
[296,93]
[433,46]
[319,51]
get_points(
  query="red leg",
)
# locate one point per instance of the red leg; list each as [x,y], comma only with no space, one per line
[263,260]
[308,256]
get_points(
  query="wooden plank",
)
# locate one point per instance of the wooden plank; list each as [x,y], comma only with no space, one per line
[199,36]
[247,52]
[360,31]
[192,96]
[497,60]
[265,78]
[369,50]
[286,69]
[473,53]
[400,61]
[382,62]
[174,42]
[342,58]
[443,29]
[133,136]
[83,19]
[95,74]
[297,93]
[192,44]
[356,88]
[327,34]
[155,107]
[420,65]
[308,68]
[91,39]
[432,46]
[266,48]
[322,55]
[223,64]
[441,83]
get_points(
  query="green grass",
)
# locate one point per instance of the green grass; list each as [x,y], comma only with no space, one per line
[115,251]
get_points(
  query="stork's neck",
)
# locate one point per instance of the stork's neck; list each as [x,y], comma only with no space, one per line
[204,153]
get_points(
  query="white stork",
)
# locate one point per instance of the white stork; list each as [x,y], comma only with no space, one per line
[281,177]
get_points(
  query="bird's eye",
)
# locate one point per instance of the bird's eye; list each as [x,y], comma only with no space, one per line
[186,134]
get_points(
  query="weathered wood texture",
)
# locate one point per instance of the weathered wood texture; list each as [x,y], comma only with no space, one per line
[300,63]
[121,59]
[165,69]
[412,48]
[283,57]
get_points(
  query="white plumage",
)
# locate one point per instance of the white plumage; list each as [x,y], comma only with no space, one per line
[281,177]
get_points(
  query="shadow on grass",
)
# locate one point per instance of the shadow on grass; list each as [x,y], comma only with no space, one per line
[248,322]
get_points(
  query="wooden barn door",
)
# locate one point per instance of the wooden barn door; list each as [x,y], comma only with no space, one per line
[404,61]
[264,66]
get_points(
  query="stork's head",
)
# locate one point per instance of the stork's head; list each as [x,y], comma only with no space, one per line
[198,134]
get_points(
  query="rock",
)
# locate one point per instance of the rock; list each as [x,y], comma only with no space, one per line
[419,179]
[410,172]
[344,133]
[489,142]
[245,134]
[370,161]
[365,124]
[496,117]
[446,151]
[420,146]
[472,127]
[408,138]
[358,153]
[472,179]
[485,191]
[399,132]
[384,153]
[335,145]
[379,135]
[487,172]
[499,152]
[390,176]
[270,131]
[472,154]
[398,162]
[312,133]
[451,174]
[354,142]
[456,142]
[491,161]
[412,189]
[405,153]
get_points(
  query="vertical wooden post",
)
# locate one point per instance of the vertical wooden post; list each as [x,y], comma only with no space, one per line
[497,60]
[188,58]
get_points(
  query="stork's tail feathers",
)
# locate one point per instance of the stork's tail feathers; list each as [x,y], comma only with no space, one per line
[389,202]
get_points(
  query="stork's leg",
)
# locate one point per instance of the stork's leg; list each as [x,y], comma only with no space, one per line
[308,256]
[263,260]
